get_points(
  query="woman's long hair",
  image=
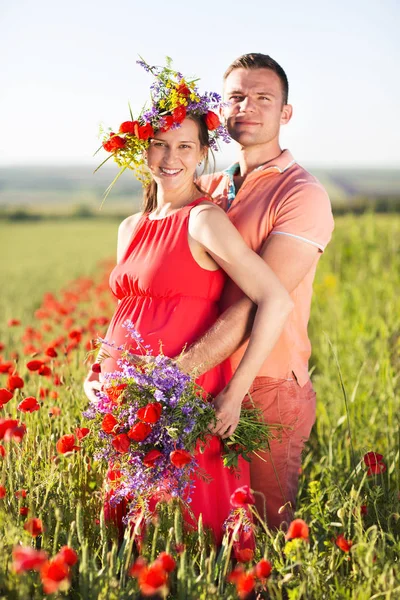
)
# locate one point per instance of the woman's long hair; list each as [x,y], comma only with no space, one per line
[150,191]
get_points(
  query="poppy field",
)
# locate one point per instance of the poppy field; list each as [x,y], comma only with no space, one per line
[55,541]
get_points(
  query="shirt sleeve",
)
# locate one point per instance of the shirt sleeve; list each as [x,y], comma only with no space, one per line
[305,214]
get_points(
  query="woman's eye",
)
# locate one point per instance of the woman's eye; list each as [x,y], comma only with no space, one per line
[158,144]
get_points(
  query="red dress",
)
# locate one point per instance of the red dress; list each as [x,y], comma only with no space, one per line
[172,300]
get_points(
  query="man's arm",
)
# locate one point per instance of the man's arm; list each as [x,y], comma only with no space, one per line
[290,259]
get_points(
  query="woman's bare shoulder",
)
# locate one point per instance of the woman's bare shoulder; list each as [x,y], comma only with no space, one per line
[129,223]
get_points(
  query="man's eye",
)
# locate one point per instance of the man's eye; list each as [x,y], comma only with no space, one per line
[235,97]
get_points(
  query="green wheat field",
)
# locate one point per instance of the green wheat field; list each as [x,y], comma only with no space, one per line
[53,278]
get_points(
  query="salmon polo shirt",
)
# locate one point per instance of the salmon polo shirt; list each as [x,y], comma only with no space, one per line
[277,198]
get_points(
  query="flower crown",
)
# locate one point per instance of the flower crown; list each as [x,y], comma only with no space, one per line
[172,98]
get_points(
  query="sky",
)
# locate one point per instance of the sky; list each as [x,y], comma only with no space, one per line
[67,67]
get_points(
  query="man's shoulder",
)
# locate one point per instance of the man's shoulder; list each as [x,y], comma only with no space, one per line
[210,182]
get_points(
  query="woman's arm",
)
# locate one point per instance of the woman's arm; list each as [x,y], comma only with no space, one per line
[92,384]
[212,229]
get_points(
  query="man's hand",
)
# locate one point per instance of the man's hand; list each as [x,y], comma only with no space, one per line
[227,412]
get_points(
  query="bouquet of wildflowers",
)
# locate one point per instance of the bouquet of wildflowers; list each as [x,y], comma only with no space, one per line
[149,420]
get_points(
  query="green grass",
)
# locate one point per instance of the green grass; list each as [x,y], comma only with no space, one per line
[355,331]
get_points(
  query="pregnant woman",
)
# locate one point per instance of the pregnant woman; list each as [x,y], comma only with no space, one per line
[172,261]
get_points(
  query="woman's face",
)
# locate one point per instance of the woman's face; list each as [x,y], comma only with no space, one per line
[173,156]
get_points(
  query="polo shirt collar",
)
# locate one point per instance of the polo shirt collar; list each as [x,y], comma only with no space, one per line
[280,164]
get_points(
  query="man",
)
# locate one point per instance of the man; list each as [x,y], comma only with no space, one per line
[284,214]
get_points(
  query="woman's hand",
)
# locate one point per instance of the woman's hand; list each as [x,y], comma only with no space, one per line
[227,410]
[92,385]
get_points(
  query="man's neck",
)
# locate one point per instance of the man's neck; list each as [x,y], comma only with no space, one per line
[252,157]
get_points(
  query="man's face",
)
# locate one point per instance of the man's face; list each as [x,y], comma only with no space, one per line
[256,110]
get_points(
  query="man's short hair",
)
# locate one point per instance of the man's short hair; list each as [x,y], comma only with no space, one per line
[256,60]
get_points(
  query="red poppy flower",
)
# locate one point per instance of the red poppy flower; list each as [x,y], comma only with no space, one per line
[139,432]
[96,368]
[6,367]
[376,469]
[212,120]
[180,458]
[81,432]
[183,90]
[151,579]
[3,491]
[55,411]
[372,458]
[263,569]
[363,509]
[5,396]
[13,322]
[68,555]
[21,494]
[167,562]
[53,394]
[115,391]
[53,575]
[34,527]
[145,131]
[114,474]
[138,566]
[114,143]
[150,413]
[26,558]
[109,422]
[150,459]
[45,371]
[128,127]
[7,425]
[2,451]
[121,443]
[343,544]
[15,382]
[29,404]
[243,581]
[298,529]
[66,444]
[179,114]
[2,346]
[167,121]
[16,434]
[50,351]
[243,555]
[23,511]
[242,496]
[34,365]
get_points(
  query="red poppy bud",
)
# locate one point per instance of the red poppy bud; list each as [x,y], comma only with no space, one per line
[23,511]
[211,120]
[263,569]
[343,544]
[243,555]
[139,432]
[180,458]
[151,457]
[121,443]
[109,422]
[298,529]
[34,527]
[3,492]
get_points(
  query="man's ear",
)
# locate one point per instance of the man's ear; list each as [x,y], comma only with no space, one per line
[286,115]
